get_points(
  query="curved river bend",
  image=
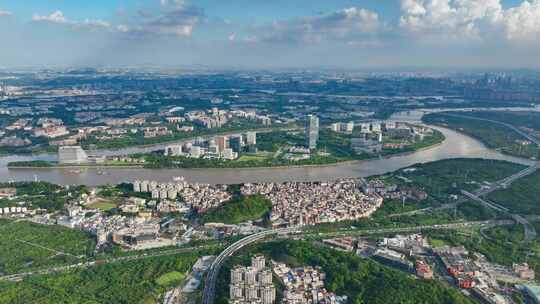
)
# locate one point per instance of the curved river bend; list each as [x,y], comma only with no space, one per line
[456,145]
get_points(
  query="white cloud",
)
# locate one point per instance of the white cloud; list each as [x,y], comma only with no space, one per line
[122,28]
[523,22]
[172,2]
[5,13]
[345,24]
[174,19]
[478,19]
[57,17]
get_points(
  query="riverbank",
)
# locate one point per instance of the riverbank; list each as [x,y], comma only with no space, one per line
[40,164]
[132,149]
[493,134]
[10,166]
[456,145]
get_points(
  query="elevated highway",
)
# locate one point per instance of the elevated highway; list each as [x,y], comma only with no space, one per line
[212,275]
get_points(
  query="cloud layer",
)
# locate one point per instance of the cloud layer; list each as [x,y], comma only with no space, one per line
[422,31]
[57,17]
[347,24]
[479,19]
[174,19]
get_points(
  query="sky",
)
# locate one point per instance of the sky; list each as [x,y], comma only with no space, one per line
[352,34]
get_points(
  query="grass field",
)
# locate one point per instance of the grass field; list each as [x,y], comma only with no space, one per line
[102,205]
[244,158]
[170,278]
[25,246]
[437,243]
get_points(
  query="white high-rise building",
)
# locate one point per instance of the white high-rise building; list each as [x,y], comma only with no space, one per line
[195,152]
[253,284]
[137,186]
[312,132]
[258,262]
[349,127]
[144,186]
[268,295]
[222,142]
[251,138]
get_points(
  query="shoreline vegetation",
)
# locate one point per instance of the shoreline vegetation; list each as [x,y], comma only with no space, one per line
[137,143]
[438,139]
[491,134]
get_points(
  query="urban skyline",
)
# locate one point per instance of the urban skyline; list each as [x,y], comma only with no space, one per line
[270,152]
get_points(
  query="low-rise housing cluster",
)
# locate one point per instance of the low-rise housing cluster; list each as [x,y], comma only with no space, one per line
[391,191]
[309,203]
[304,285]
[466,270]
[200,197]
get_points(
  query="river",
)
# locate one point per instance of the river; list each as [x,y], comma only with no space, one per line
[455,145]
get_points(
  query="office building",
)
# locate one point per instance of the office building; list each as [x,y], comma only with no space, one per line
[236,143]
[195,152]
[312,132]
[72,155]
[251,138]
[365,145]
[222,143]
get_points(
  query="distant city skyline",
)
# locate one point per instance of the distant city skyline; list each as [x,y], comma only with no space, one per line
[271,34]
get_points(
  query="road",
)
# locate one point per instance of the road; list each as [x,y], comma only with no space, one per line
[517,130]
[46,248]
[503,183]
[212,276]
[19,276]
[530,232]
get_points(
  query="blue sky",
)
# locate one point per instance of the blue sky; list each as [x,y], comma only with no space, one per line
[271,34]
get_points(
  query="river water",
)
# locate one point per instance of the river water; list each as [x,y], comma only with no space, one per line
[456,145]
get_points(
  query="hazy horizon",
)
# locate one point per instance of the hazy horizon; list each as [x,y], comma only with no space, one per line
[453,34]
